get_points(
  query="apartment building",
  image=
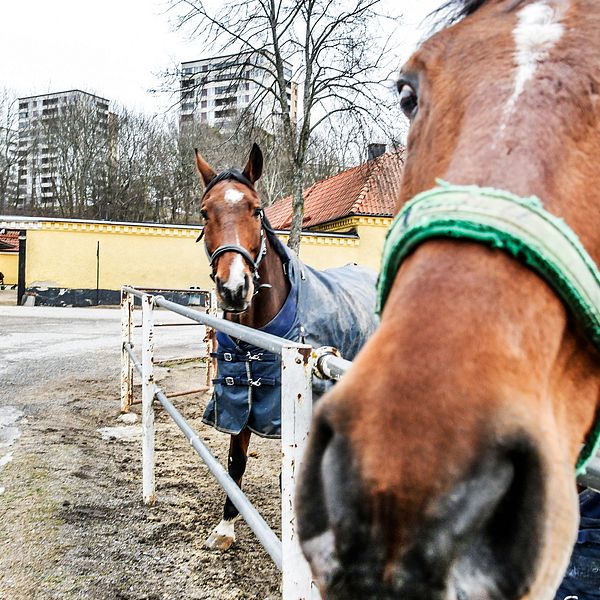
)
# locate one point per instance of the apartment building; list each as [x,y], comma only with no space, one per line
[216,90]
[42,122]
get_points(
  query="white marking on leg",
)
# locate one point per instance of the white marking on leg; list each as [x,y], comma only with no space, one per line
[237,274]
[222,536]
[226,529]
[232,196]
[538,30]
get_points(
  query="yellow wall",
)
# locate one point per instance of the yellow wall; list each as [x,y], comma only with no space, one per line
[63,253]
[9,265]
[371,231]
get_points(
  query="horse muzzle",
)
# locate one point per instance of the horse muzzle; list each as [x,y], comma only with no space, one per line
[479,540]
[234,297]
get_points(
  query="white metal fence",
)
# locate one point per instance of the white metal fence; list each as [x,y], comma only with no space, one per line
[297,362]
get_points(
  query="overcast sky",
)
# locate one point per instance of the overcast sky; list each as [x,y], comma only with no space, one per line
[115,48]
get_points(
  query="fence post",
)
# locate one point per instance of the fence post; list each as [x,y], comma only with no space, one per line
[296,411]
[126,366]
[211,340]
[148,390]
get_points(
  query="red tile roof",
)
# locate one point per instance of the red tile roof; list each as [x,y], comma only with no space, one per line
[9,241]
[369,189]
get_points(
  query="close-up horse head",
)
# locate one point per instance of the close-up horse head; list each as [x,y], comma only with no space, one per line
[443,465]
[233,233]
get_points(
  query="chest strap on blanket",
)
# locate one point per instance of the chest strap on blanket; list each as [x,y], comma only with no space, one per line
[245,381]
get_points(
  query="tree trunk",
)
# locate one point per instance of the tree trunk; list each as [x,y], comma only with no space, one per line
[297,210]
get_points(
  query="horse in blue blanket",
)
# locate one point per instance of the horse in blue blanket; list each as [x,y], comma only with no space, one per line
[334,307]
[262,284]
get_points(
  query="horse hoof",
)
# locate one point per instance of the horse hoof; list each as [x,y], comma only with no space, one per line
[218,542]
[222,537]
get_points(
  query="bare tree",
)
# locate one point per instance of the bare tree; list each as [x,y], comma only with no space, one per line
[77,141]
[337,52]
[8,150]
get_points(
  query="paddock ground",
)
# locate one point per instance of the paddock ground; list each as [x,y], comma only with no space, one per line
[72,524]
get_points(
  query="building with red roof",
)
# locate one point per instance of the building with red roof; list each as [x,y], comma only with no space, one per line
[9,241]
[359,202]
[362,195]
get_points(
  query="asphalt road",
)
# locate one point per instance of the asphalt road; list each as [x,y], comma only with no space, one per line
[40,344]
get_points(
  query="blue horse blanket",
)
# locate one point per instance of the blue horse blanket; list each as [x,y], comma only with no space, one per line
[582,580]
[334,307]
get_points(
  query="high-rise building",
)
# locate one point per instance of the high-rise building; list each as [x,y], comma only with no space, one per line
[216,90]
[45,122]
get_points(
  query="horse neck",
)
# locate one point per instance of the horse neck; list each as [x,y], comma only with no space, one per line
[268,300]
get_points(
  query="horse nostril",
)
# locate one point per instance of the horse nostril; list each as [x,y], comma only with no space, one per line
[475,531]
[246,285]
[332,524]
[219,285]
[310,499]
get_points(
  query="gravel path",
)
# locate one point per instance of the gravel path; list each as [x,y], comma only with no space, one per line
[72,524]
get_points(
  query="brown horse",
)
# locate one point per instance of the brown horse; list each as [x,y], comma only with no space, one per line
[261,284]
[232,212]
[442,465]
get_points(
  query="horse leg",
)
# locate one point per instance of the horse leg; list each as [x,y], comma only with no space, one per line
[223,535]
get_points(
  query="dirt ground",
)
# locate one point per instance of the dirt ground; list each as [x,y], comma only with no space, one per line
[72,524]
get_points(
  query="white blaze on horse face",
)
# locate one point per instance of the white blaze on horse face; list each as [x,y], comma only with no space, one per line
[232,196]
[538,30]
[237,274]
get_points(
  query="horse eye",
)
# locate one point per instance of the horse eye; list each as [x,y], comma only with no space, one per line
[204,214]
[257,212]
[409,101]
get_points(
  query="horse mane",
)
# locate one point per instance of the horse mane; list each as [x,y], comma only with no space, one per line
[276,243]
[453,11]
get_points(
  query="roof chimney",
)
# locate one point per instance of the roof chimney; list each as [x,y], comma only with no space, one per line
[375,150]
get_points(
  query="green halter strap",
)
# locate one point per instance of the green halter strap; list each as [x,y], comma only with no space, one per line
[519,226]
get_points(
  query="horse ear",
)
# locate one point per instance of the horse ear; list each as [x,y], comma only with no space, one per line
[253,169]
[204,169]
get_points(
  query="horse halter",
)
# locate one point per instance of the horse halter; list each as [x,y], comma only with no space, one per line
[519,226]
[252,262]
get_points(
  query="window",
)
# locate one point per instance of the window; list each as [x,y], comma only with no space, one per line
[203,117]
[203,104]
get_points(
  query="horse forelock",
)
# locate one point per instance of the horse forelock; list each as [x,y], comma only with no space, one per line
[455,10]
[229,175]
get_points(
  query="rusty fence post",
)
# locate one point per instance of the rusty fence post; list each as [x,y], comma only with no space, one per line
[210,340]
[126,366]
[296,412]
[148,392]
